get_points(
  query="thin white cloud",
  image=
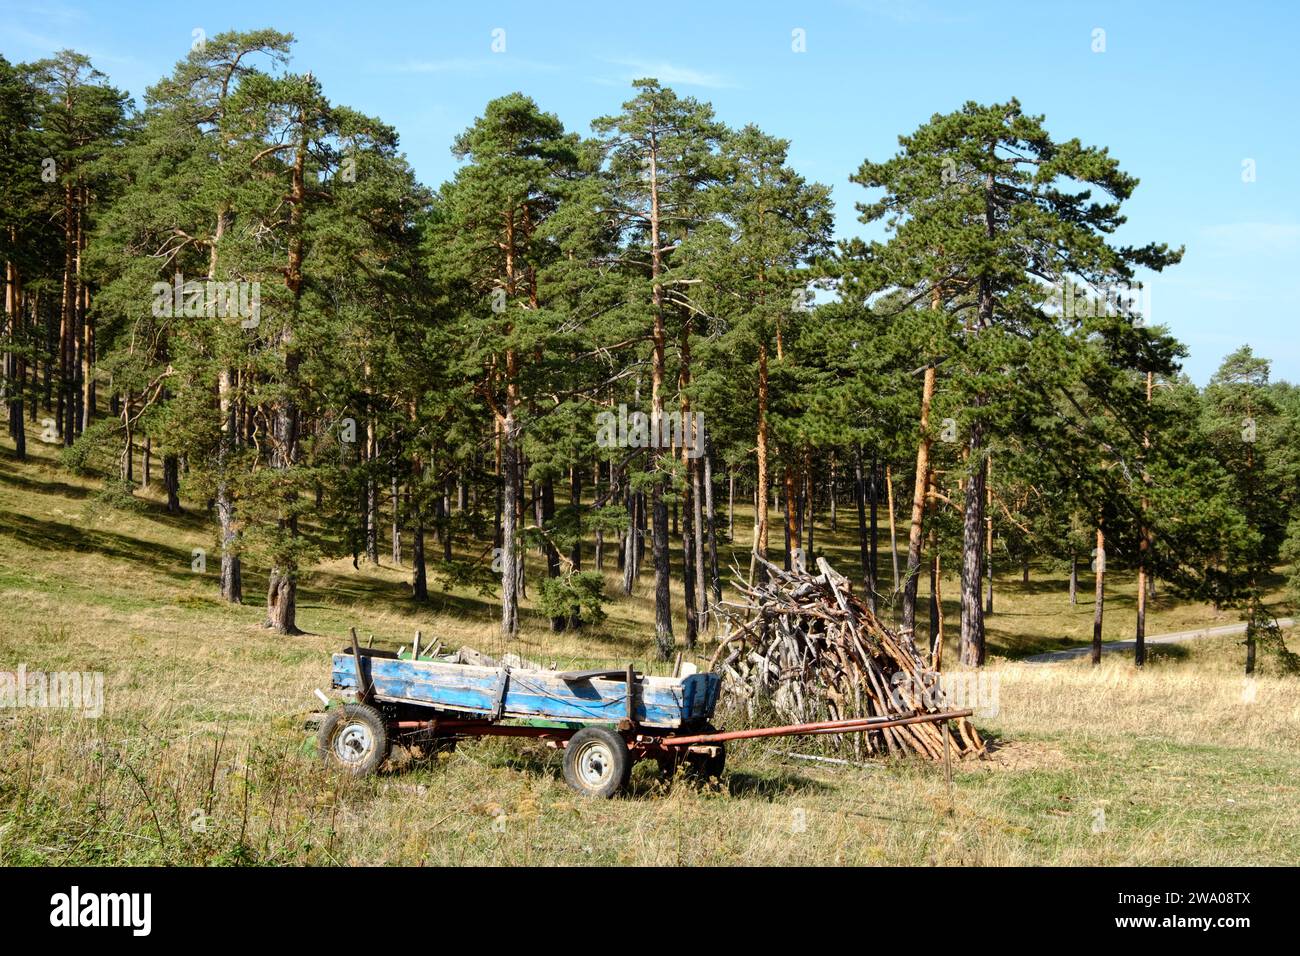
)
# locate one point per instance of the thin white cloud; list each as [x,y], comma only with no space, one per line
[43,46]
[45,12]
[672,74]
[1253,236]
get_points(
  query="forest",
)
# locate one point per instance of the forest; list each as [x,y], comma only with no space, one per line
[591,348]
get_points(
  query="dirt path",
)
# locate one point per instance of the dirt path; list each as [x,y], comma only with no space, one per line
[1070,653]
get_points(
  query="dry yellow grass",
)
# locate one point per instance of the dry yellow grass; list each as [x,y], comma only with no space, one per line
[200,757]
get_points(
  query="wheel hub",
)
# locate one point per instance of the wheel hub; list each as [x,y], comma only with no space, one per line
[594,765]
[353,743]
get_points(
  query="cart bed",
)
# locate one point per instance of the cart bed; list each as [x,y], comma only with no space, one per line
[498,692]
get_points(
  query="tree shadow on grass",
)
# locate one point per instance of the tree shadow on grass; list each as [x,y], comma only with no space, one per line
[59,536]
[1160,653]
[55,487]
[770,785]
[394,595]
[617,644]
[522,758]
[649,783]
[1039,585]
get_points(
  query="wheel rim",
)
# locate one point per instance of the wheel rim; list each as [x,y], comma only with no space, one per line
[595,765]
[353,743]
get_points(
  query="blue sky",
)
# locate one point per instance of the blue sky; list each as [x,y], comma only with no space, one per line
[1183,95]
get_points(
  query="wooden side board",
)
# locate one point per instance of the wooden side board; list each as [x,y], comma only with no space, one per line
[659,702]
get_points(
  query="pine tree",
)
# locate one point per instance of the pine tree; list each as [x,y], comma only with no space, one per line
[661,154]
[771,226]
[20,187]
[492,243]
[82,118]
[982,213]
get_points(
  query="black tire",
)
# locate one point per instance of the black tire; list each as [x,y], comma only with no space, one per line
[354,738]
[597,763]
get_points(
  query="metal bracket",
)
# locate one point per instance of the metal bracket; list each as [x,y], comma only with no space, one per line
[499,705]
[571,677]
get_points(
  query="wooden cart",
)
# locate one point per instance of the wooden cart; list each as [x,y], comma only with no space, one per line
[604,720]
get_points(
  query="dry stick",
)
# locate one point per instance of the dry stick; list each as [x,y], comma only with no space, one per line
[893,534]
[947,764]
[824,643]
[914,537]
[363,695]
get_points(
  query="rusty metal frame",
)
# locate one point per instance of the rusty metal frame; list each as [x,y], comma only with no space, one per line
[649,745]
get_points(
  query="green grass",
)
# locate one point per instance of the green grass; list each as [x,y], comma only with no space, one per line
[200,755]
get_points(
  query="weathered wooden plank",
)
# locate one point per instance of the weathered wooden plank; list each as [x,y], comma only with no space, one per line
[658,702]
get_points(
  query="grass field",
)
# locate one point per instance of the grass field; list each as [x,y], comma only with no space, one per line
[200,755]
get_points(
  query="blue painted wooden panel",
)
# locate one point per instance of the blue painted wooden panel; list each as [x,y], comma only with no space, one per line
[658,702]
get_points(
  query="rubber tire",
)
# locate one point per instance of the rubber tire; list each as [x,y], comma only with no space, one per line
[334,724]
[613,753]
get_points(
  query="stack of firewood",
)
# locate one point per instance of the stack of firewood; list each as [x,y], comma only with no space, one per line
[805,647]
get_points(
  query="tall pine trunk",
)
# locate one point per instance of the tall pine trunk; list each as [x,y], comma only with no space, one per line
[972,553]
[544,515]
[664,640]
[988,528]
[893,529]
[972,541]
[419,571]
[14,372]
[1144,551]
[873,497]
[232,583]
[447,537]
[864,543]
[936,611]
[731,505]
[509,525]
[914,537]
[397,525]
[711,518]
[692,579]
[67,319]
[761,491]
[86,323]
[282,588]
[172,482]
[1099,596]
[831,488]
[372,492]
[809,510]
[629,551]
[575,552]
[794,556]
[697,530]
